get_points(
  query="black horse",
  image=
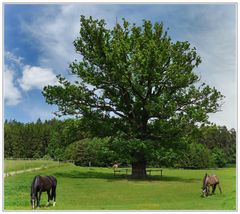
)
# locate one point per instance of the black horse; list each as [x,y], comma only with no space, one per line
[210,180]
[43,184]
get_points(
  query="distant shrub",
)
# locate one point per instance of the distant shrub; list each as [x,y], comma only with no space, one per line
[197,156]
[219,157]
[47,157]
[91,151]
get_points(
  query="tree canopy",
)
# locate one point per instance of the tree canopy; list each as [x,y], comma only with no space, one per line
[139,76]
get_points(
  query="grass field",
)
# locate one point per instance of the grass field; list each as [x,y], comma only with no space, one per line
[17,165]
[82,188]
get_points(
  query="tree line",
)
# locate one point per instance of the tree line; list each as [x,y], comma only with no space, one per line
[93,143]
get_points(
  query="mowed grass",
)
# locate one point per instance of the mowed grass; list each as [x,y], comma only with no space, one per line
[17,165]
[82,188]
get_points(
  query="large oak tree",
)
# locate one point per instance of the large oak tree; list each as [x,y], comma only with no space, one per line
[140,76]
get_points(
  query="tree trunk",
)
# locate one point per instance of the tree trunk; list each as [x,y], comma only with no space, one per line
[139,169]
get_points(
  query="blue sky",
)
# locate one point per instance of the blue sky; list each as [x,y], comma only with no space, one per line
[38,46]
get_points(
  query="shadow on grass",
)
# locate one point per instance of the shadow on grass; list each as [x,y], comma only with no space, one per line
[87,175]
[112,177]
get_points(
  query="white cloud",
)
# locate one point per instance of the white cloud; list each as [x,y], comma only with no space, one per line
[20,77]
[14,58]
[55,34]
[212,30]
[217,44]
[12,95]
[34,77]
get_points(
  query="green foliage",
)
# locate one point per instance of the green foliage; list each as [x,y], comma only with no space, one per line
[62,140]
[219,157]
[220,141]
[94,152]
[46,157]
[34,140]
[168,158]
[135,73]
[25,140]
[197,156]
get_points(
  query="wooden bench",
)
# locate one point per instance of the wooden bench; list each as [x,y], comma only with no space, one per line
[120,170]
[149,171]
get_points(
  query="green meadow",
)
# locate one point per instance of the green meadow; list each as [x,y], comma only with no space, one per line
[17,165]
[83,188]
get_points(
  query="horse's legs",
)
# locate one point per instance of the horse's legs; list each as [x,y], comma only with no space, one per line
[49,197]
[54,195]
[219,188]
[36,201]
[213,188]
[208,190]
[39,198]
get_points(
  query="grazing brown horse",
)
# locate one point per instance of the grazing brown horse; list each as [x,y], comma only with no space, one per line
[116,165]
[43,184]
[210,180]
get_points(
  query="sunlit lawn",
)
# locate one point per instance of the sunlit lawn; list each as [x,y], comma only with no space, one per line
[15,165]
[82,188]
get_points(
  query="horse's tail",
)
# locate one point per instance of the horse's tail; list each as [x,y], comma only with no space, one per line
[204,179]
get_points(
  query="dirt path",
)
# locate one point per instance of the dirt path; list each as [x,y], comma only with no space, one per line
[22,171]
